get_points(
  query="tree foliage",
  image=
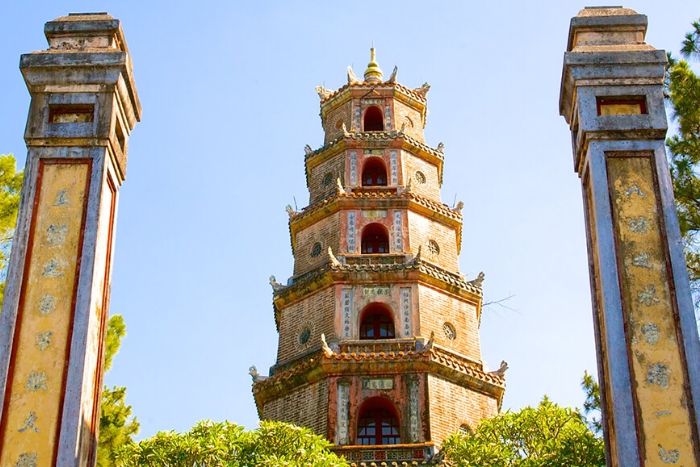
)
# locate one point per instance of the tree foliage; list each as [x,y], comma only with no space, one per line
[544,436]
[210,444]
[683,95]
[10,187]
[592,405]
[117,425]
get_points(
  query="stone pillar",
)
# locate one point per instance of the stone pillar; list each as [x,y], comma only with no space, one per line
[646,335]
[52,327]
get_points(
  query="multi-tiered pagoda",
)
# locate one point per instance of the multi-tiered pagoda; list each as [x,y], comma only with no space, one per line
[378,331]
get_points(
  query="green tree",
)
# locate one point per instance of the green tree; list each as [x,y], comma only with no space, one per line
[210,444]
[10,187]
[592,405]
[544,436]
[117,425]
[683,96]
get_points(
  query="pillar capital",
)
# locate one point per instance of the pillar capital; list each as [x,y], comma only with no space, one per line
[82,86]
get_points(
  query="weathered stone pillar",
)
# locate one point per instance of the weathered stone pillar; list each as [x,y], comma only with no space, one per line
[54,317]
[646,335]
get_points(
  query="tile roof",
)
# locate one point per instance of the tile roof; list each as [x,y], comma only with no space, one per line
[370,136]
[417,264]
[364,194]
[427,354]
[368,86]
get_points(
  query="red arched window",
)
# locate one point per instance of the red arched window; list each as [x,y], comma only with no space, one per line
[374,173]
[378,423]
[374,120]
[375,239]
[377,322]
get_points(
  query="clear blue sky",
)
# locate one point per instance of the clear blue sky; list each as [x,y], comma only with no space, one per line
[228,96]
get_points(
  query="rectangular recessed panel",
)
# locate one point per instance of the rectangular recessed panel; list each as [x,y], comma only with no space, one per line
[649,313]
[635,105]
[45,316]
[71,113]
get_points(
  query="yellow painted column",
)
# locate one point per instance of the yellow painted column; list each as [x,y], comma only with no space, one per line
[36,383]
[659,377]
[646,334]
[55,312]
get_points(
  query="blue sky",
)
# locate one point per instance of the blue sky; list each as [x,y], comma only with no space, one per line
[228,104]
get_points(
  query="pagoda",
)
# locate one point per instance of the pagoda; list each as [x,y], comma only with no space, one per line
[378,331]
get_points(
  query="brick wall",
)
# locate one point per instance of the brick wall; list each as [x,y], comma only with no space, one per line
[333,125]
[437,308]
[316,311]
[327,233]
[318,189]
[400,113]
[452,406]
[414,124]
[422,230]
[306,406]
[431,188]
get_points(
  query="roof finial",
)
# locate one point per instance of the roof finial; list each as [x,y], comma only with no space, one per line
[373,74]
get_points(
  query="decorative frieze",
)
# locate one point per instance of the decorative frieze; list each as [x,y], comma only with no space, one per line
[343,410]
[379,214]
[353,168]
[406,328]
[376,291]
[351,231]
[347,313]
[413,415]
[398,231]
[378,383]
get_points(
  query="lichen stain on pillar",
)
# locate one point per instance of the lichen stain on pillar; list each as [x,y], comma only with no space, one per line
[657,365]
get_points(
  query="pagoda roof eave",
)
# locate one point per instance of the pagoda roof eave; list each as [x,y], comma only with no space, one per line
[341,95]
[430,359]
[417,270]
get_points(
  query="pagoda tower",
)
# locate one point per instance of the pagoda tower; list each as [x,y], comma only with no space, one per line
[378,331]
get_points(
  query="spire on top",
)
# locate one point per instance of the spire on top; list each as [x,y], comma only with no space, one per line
[373,74]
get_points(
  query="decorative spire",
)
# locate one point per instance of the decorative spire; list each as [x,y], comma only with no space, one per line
[373,74]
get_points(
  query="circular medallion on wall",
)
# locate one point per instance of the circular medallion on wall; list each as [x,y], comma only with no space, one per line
[316,249]
[305,334]
[339,123]
[420,177]
[449,331]
[327,179]
[433,248]
[465,430]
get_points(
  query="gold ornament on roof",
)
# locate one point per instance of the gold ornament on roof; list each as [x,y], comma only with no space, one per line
[373,74]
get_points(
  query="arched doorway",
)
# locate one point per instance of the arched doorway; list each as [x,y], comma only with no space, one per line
[378,422]
[374,120]
[374,173]
[377,322]
[375,239]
